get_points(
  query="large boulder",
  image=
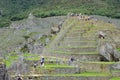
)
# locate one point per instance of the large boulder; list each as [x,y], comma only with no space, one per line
[55,29]
[116,55]
[109,53]
[101,34]
[103,52]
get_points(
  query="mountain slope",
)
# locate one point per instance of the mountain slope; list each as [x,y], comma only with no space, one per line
[19,9]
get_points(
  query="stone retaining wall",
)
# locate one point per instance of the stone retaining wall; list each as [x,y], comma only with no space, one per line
[63,78]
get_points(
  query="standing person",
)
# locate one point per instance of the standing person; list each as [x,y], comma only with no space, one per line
[42,61]
[71,60]
[19,77]
[34,65]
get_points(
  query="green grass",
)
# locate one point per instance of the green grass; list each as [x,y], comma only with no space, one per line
[115,70]
[118,49]
[30,57]
[57,66]
[63,52]
[102,62]
[115,78]
[87,41]
[77,46]
[11,57]
[33,58]
[85,74]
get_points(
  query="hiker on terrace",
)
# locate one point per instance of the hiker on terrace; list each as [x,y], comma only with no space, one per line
[35,65]
[71,60]
[42,61]
[19,77]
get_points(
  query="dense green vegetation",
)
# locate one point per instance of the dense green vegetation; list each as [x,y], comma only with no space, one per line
[12,10]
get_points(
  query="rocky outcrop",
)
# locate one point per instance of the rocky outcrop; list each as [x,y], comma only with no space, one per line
[55,30]
[108,52]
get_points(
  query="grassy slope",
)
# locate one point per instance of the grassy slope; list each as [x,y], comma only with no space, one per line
[19,9]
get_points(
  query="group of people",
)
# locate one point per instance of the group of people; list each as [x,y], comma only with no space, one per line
[41,62]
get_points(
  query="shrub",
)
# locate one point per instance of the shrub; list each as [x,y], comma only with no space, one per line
[4,23]
[18,17]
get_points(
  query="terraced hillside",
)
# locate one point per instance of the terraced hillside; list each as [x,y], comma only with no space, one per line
[77,39]
[13,37]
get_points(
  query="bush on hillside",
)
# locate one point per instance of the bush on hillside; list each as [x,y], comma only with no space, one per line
[18,17]
[4,23]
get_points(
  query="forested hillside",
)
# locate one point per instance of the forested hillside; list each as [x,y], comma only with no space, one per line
[12,10]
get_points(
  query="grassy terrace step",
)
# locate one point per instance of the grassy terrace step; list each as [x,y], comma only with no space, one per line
[116,73]
[78,43]
[81,34]
[61,69]
[115,78]
[56,69]
[78,30]
[66,52]
[84,41]
[94,32]
[77,48]
[75,34]
[79,38]
[95,66]
[81,28]
[107,28]
[87,74]
[82,76]
[83,56]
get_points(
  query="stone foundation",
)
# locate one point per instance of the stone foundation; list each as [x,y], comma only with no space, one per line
[63,78]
